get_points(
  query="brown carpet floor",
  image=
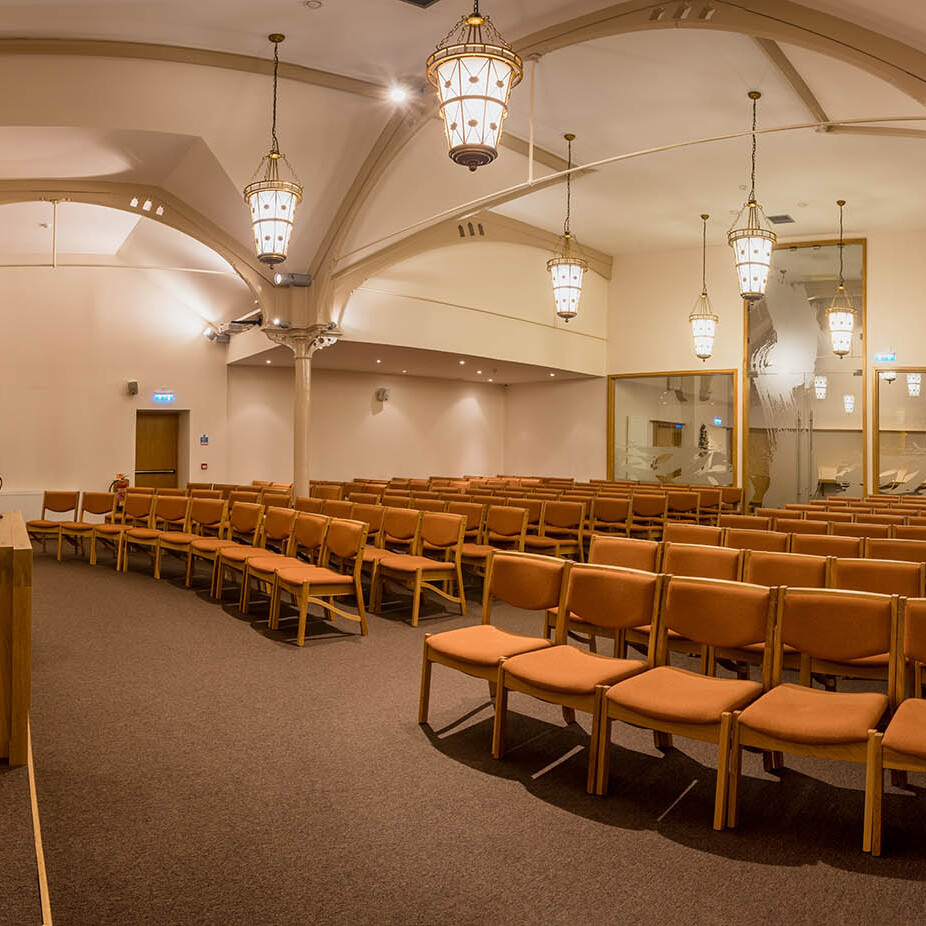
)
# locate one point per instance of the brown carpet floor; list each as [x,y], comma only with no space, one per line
[193,767]
[20,902]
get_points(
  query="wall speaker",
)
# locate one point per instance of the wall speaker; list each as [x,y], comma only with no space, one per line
[382,395]
[131,387]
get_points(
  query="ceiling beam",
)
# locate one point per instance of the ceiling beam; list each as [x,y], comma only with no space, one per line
[790,73]
[882,131]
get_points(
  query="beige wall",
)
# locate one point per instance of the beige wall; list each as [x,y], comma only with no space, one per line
[557,429]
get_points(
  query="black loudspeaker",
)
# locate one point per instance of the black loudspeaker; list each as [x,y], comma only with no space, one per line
[131,387]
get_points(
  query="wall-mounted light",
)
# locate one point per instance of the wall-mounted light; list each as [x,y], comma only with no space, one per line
[913,384]
[819,387]
[848,403]
[292,279]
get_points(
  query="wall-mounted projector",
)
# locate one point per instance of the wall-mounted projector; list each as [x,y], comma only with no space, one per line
[292,279]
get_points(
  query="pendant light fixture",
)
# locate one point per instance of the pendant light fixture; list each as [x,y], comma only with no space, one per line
[702,319]
[913,384]
[474,70]
[819,387]
[841,313]
[751,237]
[568,266]
[272,199]
[889,376]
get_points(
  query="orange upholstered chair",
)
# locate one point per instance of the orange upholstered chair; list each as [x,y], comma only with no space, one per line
[205,493]
[523,580]
[683,506]
[709,505]
[207,517]
[244,521]
[913,551]
[610,516]
[775,513]
[911,531]
[320,585]
[648,513]
[703,534]
[400,533]
[800,526]
[505,528]
[100,504]
[625,551]
[831,627]
[828,545]
[275,535]
[731,499]
[745,539]
[136,510]
[338,508]
[745,522]
[886,577]
[242,495]
[58,502]
[171,514]
[271,498]
[861,530]
[709,562]
[326,491]
[902,746]
[305,547]
[669,700]
[604,599]
[309,504]
[474,514]
[442,539]
[372,516]
[795,569]
[562,531]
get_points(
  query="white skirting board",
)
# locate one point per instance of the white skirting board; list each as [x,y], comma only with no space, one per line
[29,502]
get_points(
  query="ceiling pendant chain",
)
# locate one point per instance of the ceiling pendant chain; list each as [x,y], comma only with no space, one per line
[274,144]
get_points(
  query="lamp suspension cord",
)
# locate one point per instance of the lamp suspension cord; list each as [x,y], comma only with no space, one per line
[841,245]
[752,193]
[568,187]
[704,255]
[275,145]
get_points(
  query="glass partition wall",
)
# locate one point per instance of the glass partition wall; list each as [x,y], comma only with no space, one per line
[900,430]
[673,427]
[805,407]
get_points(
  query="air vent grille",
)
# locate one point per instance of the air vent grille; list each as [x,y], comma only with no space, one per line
[781,220]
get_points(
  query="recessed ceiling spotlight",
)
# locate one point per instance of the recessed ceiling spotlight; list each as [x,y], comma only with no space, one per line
[312,4]
[405,371]
[479,372]
[398,94]
[552,374]
[379,361]
[491,380]
[462,362]
[269,361]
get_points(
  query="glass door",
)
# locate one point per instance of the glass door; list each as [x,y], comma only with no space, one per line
[805,405]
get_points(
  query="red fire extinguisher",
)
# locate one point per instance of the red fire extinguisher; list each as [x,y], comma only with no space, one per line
[119,486]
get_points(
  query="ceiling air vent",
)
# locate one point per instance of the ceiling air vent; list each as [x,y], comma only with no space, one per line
[421,4]
[781,220]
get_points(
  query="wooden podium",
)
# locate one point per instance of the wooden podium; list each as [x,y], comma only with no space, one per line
[15,637]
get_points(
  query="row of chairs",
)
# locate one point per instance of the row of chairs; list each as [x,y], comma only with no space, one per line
[827,523]
[880,730]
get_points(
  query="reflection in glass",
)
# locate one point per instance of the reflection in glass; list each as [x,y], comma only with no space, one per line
[674,428]
[804,439]
[901,422]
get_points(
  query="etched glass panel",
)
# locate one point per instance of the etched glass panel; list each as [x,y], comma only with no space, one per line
[901,462]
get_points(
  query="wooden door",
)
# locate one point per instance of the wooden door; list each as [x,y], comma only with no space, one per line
[156,449]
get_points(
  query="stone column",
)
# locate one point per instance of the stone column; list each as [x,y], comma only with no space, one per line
[303,342]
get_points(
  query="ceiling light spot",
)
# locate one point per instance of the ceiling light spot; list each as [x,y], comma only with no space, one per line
[462,363]
[398,94]
[312,4]
[269,361]
[146,206]
[491,380]
[379,361]
[552,374]
[134,202]
[405,371]
[159,210]
[479,372]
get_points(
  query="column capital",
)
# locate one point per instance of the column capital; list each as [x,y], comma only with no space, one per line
[303,342]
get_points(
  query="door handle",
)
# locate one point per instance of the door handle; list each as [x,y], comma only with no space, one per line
[155,472]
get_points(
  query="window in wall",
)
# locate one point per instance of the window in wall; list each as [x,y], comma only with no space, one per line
[900,429]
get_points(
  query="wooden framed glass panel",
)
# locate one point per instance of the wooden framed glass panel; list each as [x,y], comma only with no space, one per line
[804,407]
[900,431]
[673,427]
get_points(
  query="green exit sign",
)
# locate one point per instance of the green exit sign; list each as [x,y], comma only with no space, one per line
[889,357]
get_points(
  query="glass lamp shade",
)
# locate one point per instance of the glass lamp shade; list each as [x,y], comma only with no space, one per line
[273,203]
[848,403]
[889,376]
[752,244]
[819,387]
[913,384]
[841,316]
[474,71]
[566,272]
[703,323]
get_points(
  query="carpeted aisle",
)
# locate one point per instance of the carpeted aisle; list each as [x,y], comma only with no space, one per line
[20,902]
[193,768]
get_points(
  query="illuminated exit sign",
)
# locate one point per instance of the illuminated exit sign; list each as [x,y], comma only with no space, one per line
[163,396]
[718,422]
[889,357]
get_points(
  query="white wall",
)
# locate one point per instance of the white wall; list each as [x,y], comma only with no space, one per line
[71,339]
[557,429]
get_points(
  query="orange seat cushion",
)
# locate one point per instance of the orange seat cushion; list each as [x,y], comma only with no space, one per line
[371,554]
[314,575]
[400,563]
[569,670]
[210,544]
[272,561]
[798,714]
[539,543]
[676,695]
[477,550]
[241,553]
[109,528]
[142,533]
[76,526]
[906,732]
[483,644]
[177,537]
[43,524]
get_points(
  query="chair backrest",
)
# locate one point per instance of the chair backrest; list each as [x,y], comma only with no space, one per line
[244,519]
[401,526]
[326,491]
[344,539]
[564,516]
[171,509]
[524,580]
[914,641]
[794,526]
[745,522]
[691,559]
[836,625]
[59,501]
[199,486]
[731,495]
[649,507]
[761,567]
[443,530]
[208,512]
[309,504]
[372,516]
[276,499]
[741,539]
[703,534]
[396,501]
[508,521]
[429,504]
[610,597]
[309,535]
[830,545]
[534,506]
[683,502]
[277,526]
[884,576]
[709,498]
[238,496]
[861,530]
[137,506]
[97,503]
[607,510]
[170,491]
[363,498]
[605,550]
[834,517]
[774,513]
[880,518]
[337,508]
[911,531]
[913,551]
[471,511]
[715,612]
[205,493]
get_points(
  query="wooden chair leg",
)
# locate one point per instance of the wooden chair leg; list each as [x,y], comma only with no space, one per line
[662,740]
[93,551]
[303,609]
[157,561]
[244,594]
[569,714]
[604,751]
[462,592]
[501,714]
[60,538]
[416,599]
[424,698]
[722,790]
[898,778]
[358,588]
[874,794]
[734,773]
[773,761]
[593,740]
[189,568]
